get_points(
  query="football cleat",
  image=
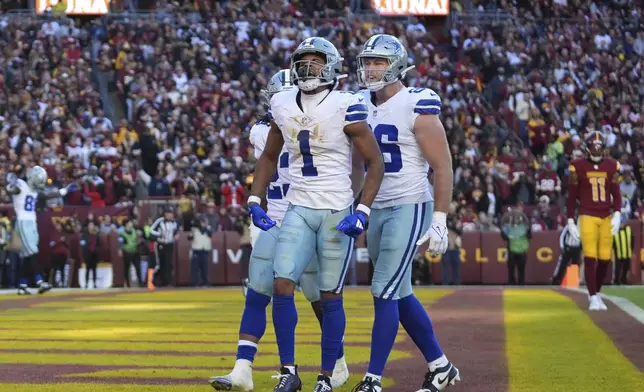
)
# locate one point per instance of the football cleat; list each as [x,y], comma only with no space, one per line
[23,291]
[340,373]
[237,380]
[368,384]
[44,287]
[323,384]
[288,382]
[440,378]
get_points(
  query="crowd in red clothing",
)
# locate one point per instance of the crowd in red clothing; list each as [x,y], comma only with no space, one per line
[183,92]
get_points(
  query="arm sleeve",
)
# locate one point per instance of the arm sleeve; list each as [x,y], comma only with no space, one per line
[614,190]
[573,187]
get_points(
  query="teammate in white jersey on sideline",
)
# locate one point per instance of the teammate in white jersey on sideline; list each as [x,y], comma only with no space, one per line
[319,126]
[260,282]
[404,214]
[25,197]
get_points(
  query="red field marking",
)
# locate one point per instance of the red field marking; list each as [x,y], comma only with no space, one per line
[626,332]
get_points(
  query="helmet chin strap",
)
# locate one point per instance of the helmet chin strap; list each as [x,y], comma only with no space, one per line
[377,86]
[595,159]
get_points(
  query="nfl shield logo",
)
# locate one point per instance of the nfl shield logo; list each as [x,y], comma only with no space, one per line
[375,113]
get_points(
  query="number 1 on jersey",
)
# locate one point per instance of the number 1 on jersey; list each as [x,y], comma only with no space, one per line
[308,170]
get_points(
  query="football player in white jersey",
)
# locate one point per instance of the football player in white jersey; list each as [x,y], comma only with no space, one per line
[25,197]
[319,126]
[404,214]
[260,283]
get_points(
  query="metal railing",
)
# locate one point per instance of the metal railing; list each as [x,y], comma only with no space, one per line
[480,18]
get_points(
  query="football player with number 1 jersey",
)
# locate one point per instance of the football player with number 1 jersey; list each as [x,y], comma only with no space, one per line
[25,197]
[260,282]
[404,215]
[319,126]
[593,181]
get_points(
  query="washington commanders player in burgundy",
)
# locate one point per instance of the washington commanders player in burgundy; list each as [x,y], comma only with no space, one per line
[593,182]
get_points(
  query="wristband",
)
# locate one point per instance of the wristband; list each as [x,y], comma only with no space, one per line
[439,218]
[364,209]
[254,199]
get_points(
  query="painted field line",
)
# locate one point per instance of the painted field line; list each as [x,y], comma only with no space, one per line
[624,304]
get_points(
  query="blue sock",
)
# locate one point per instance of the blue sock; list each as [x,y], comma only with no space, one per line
[38,279]
[333,324]
[341,351]
[23,282]
[383,334]
[253,323]
[284,323]
[416,322]
[246,350]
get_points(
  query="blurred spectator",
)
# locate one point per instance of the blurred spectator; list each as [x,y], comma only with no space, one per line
[129,239]
[91,244]
[59,252]
[517,232]
[452,258]
[201,247]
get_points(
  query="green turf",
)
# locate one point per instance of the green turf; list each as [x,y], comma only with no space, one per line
[552,345]
[166,334]
[631,293]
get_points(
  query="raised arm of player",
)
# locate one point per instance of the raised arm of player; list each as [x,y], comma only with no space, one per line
[365,144]
[571,205]
[432,140]
[617,201]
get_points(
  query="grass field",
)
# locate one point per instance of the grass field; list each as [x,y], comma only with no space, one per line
[502,340]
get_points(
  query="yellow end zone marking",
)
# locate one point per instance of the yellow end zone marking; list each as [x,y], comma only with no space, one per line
[553,345]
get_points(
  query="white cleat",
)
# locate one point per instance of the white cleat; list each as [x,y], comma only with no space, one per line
[340,373]
[595,303]
[240,379]
[602,305]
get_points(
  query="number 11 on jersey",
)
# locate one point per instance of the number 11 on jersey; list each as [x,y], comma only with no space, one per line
[308,170]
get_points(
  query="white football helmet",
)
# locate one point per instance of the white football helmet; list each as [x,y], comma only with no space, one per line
[37,177]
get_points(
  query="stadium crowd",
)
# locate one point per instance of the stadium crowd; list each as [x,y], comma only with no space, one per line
[518,97]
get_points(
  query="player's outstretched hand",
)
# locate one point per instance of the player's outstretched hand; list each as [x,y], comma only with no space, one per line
[12,178]
[437,235]
[573,231]
[616,222]
[260,219]
[353,225]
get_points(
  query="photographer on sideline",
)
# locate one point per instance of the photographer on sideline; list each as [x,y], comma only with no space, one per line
[201,239]
[570,252]
[517,232]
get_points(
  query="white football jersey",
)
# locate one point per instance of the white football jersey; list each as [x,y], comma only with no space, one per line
[281,181]
[406,168]
[319,150]
[24,202]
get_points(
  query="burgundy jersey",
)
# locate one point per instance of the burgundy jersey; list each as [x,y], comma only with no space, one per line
[593,184]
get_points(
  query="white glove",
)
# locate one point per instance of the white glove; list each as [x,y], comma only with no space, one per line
[616,222]
[437,235]
[572,242]
[573,231]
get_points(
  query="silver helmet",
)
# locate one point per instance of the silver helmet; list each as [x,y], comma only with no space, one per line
[386,47]
[37,177]
[281,81]
[309,74]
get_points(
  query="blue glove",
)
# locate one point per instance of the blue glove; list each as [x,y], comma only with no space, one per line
[353,225]
[260,219]
[72,187]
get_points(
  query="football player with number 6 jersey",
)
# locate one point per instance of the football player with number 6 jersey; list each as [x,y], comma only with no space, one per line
[404,215]
[320,127]
[260,282]
[25,197]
